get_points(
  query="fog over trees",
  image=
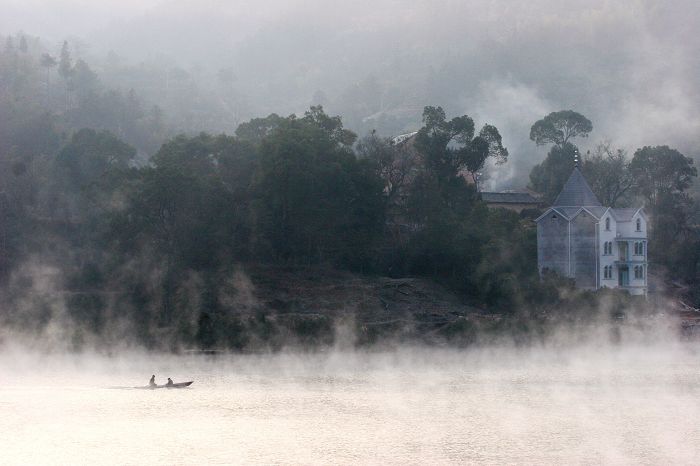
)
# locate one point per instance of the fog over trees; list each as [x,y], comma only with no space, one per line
[628,66]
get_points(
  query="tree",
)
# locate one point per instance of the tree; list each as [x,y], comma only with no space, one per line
[65,70]
[548,177]
[314,200]
[660,171]
[48,62]
[85,80]
[84,169]
[662,176]
[257,129]
[65,64]
[23,44]
[559,127]
[608,174]
[393,163]
[332,126]
[450,148]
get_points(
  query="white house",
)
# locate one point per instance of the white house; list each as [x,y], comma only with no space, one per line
[597,246]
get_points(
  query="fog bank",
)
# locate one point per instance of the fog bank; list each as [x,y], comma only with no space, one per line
[629,66]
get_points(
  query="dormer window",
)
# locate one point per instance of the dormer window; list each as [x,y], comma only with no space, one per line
[639,224]
[607,224]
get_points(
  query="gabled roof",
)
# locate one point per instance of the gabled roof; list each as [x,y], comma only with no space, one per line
[576,193]
[552,209]
[626,214]
[508,198]
[570,212]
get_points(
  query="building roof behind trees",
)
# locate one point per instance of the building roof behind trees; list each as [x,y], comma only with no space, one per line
[508,197]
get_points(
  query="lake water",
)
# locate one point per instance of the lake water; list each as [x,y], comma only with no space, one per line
[634,405]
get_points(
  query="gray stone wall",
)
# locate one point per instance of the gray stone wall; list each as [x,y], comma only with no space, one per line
[553,243]
[583,250]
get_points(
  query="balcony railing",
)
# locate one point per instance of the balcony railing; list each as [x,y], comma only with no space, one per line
[640,261]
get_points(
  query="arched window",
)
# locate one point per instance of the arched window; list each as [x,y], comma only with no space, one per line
[638,272]
[641,248]
[607,224]
[607,248]
[639,224]
[636,248]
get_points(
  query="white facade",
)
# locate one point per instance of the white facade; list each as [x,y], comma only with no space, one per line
[623,250]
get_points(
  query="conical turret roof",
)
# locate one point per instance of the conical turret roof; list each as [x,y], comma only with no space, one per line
[576,193]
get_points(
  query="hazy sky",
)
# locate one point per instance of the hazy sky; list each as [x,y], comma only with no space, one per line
[631,66]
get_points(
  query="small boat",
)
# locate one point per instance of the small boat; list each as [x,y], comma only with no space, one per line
[179,384]
[175,385]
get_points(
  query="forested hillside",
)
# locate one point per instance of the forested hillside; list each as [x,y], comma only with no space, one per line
[114,225]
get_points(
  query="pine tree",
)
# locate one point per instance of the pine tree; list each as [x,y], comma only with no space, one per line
[48,62]
[23,44]
[65,70]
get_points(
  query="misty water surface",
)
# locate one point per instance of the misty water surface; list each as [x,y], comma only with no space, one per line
[635,405]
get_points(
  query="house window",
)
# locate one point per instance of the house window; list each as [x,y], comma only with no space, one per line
[607,248]
[638,272]
[607,272]
[639,248]
[639,224]
[607,224]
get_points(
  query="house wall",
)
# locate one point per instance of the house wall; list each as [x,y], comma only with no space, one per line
[607,259]
[629,229]
[553,243]
[584,258]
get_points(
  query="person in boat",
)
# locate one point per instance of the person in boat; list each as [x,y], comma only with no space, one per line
[170,382]
[152,382]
